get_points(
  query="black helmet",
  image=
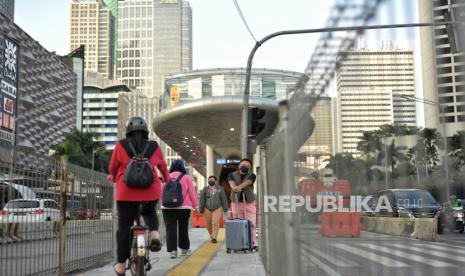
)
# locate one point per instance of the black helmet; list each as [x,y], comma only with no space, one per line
[136,124]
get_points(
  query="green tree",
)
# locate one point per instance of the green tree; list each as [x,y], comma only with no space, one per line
[369,143]
[79,145]
[395,155]
[457,149]
[431,142]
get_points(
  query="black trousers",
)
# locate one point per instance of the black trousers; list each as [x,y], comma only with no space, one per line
[177,226]
[127,212]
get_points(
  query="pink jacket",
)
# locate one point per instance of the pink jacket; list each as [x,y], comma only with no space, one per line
[188,191]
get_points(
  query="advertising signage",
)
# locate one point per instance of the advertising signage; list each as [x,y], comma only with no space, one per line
[9,53]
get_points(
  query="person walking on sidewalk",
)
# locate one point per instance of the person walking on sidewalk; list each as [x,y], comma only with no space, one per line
[177,218]
[213,202]
[128,199]
[241,183]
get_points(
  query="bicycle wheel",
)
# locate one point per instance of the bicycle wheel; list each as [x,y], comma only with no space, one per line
[140,266]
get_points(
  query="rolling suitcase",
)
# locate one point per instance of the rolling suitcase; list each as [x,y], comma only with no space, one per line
[238,233]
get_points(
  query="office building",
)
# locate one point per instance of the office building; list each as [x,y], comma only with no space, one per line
[154,40]
[319,146]
[7,8]
[75,62]
[100,107]
[443,71]
[44,89]
[370,87]
[93,25]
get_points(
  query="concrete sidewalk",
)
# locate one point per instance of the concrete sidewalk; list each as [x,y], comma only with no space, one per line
[210,262]
[161,262]
[234,264]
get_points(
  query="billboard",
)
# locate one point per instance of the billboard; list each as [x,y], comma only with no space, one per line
[174,95]
[9,53]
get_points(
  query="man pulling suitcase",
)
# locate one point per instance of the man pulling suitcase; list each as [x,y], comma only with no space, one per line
[241,183]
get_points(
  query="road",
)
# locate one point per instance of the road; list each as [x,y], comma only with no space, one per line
[377,254]
[41,257]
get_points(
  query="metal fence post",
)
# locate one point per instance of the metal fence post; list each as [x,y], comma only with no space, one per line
[62,228]
[288,166]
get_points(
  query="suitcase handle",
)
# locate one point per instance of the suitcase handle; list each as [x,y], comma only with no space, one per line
[237,205]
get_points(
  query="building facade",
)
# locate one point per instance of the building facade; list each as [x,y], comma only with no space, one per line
[45,94]
[197,84]
[101,108]
[154,40]
[93,25]
[371,86]
[75,62]
[443,71]
[319,146]
[7,8]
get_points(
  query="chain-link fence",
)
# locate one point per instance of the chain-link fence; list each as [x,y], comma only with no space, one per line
[35,204]
[396,178]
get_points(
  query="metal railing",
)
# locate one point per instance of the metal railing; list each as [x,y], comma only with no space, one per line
[56,220]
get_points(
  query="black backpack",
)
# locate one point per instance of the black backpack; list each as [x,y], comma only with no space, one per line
[172,193]
[139,172]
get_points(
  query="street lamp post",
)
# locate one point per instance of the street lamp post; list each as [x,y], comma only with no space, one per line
[245,115]
[94,151]
[441,109]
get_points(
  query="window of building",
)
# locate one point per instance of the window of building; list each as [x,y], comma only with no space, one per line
[445,89]
[444,70]
[443,60]
[449,99]
[460,78]
[444,80]
[442,51]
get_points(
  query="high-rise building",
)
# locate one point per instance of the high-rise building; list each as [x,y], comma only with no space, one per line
[93,25]
[100,107]
[143,106]
[443,71]
[370,87]
[7,8]
[75,62]
[38,95]
[154,40]
[319,146]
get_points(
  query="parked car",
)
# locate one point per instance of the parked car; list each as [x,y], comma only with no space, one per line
[30,210]
[82,213]
[106,214]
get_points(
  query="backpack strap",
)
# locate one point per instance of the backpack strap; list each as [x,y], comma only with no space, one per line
[145,149]
[152,146]
[131,147]
[180,177]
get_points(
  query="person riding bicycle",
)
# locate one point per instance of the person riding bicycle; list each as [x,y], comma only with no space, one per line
[129,200]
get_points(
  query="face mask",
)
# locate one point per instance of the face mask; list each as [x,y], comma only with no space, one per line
[211,183]
[244,169]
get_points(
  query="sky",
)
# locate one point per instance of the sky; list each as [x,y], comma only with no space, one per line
[219,37]
[221,40]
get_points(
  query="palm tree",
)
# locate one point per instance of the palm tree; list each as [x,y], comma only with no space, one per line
[369,143]
[395,155]
[457,148]
[431,141]
[79,145]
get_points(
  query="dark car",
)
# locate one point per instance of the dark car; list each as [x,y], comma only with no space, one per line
[413,203]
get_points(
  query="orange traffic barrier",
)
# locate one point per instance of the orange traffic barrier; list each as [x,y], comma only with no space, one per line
[340,224]
[198,220]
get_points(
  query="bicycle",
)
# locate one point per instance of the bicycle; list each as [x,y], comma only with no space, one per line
[139,261]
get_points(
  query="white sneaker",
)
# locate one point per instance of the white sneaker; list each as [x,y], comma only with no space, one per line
[173,254]
[185,252]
